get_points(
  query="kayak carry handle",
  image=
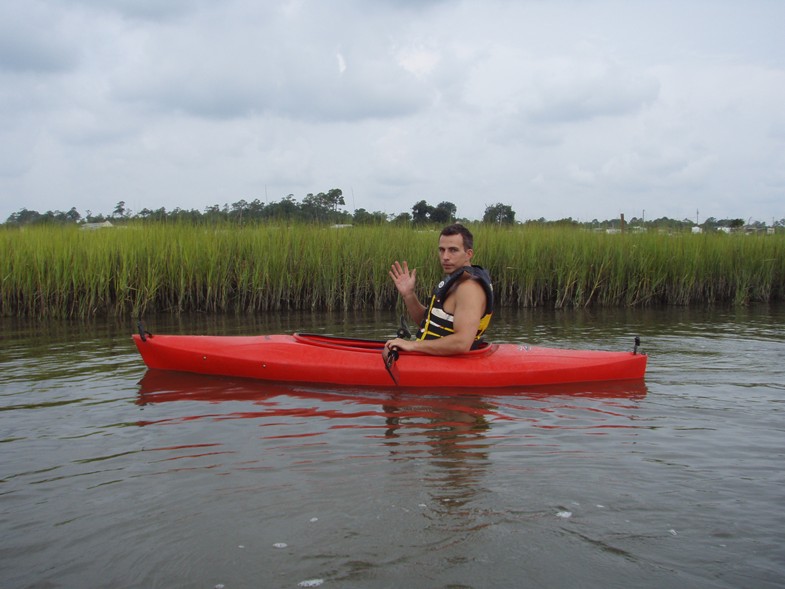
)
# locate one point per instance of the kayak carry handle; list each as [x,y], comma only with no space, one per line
[143,333]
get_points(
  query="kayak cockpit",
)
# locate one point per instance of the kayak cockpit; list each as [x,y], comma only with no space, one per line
[359,344]
[337,342]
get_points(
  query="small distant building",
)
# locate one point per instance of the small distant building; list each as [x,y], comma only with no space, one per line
[724,229]
[93,226]
[697,230]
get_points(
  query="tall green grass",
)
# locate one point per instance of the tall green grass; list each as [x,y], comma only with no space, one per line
[65,272]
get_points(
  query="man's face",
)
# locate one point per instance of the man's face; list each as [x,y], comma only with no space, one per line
[452,255]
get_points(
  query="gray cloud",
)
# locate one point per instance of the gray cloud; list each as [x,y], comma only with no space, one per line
[561,108]
[272,64]
[33,40]
[147,10]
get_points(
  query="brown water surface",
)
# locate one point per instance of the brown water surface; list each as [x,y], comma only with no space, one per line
[113,476]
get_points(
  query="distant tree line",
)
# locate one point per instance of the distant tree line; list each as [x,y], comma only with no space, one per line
[324,208]
[314,208]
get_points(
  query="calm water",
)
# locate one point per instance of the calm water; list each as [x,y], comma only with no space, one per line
[115,477]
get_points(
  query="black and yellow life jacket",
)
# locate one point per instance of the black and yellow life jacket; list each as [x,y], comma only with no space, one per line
[438,323]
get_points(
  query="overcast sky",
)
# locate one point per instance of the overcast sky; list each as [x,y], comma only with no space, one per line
[559,108]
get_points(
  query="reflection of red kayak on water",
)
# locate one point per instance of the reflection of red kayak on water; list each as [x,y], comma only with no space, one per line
[276,399]
[357,362]
[162,386]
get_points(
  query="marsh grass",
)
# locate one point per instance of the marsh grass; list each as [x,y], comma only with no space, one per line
[65,272]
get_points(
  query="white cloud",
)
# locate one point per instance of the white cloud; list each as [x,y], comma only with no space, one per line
[420,61]
[341,63]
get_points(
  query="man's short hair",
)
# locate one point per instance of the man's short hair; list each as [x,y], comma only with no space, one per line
[458,229]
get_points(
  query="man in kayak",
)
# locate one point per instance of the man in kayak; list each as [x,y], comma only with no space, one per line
[461,305]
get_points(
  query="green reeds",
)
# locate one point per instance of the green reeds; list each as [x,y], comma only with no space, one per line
[567,267]
[65,272]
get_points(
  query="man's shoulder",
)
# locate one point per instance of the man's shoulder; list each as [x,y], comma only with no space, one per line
[470,286]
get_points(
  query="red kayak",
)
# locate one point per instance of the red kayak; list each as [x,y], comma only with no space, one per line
[308,358]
